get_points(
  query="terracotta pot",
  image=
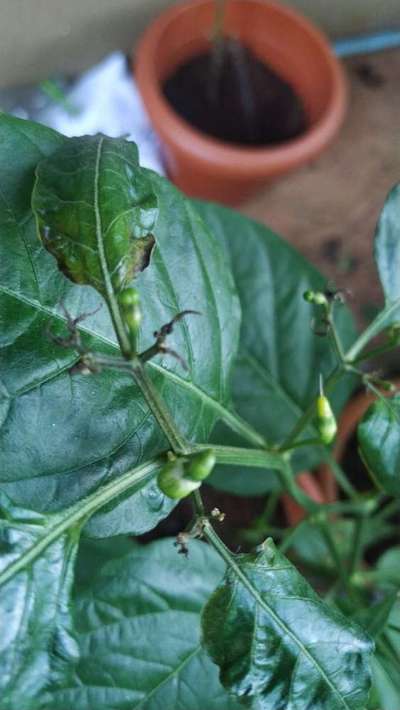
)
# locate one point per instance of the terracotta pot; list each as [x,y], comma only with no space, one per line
[202,166]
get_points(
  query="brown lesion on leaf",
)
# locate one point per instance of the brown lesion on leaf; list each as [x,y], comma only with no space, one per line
[142,249]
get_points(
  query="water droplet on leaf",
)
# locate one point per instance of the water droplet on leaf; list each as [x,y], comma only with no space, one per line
[154,498]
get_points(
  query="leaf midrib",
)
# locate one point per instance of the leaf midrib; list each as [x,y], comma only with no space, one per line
[206,398]
[173,673]
[273,383]
[110,295]
[165,680]
[284,628]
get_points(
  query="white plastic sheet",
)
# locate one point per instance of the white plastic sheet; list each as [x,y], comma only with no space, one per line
[105,99]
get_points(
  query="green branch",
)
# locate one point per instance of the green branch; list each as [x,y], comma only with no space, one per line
[59,523]
[159,409]
[376,327]
[236,456]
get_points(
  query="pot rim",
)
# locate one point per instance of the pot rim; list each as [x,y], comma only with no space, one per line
[243,161]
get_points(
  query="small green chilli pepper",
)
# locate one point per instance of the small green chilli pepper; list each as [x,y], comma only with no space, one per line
[326,422]
[316,297]
[129,302]
[200,465]
[171,481]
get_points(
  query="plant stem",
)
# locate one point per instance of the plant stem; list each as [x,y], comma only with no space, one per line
[198,503]
[290,536]
[334,335]
[357,547]
[217,50]
[219,16]
[273,500]
[216,542]
[374,352]
[159,409]
[59,523]
[300,444]
[341,477]
[231,419]
[390,509]
[334,551]
[256,458]
[232,455]
[116,363]
[385,647]
[290,486]
[377,325]
[110,296]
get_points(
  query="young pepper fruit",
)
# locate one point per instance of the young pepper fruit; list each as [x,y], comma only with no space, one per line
[128,300]
[182,476]
[171,480]
[326,422]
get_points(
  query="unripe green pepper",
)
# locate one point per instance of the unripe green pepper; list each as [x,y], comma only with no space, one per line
[129,302]
[326,422]
[200,465]
[171,481]
[316,297]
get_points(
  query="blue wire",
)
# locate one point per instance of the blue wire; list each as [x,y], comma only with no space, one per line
[365,44]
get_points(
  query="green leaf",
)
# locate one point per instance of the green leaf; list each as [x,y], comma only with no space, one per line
[280,357]
[96,211]
[35,625]
[278,645]
[137,618]
[387,253]
[385,692]
[388,568]
[379,440]
[61,436]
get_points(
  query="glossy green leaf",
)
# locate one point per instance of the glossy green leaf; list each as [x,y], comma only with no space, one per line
[61,436]
[280,357]
[278,645]
[96,211]
[388,568]
[36,640]
[137,616]
[379,440]
[387,253]
[385,693]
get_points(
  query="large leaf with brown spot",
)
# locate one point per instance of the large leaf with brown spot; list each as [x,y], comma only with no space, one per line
[61,436]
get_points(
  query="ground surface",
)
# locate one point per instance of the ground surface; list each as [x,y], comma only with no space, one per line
[328,210]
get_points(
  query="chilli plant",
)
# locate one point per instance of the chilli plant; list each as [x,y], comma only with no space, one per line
[148,343]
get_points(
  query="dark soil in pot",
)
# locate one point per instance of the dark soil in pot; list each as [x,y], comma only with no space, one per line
[229,94]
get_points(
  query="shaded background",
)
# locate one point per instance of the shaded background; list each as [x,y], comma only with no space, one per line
[43,37]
